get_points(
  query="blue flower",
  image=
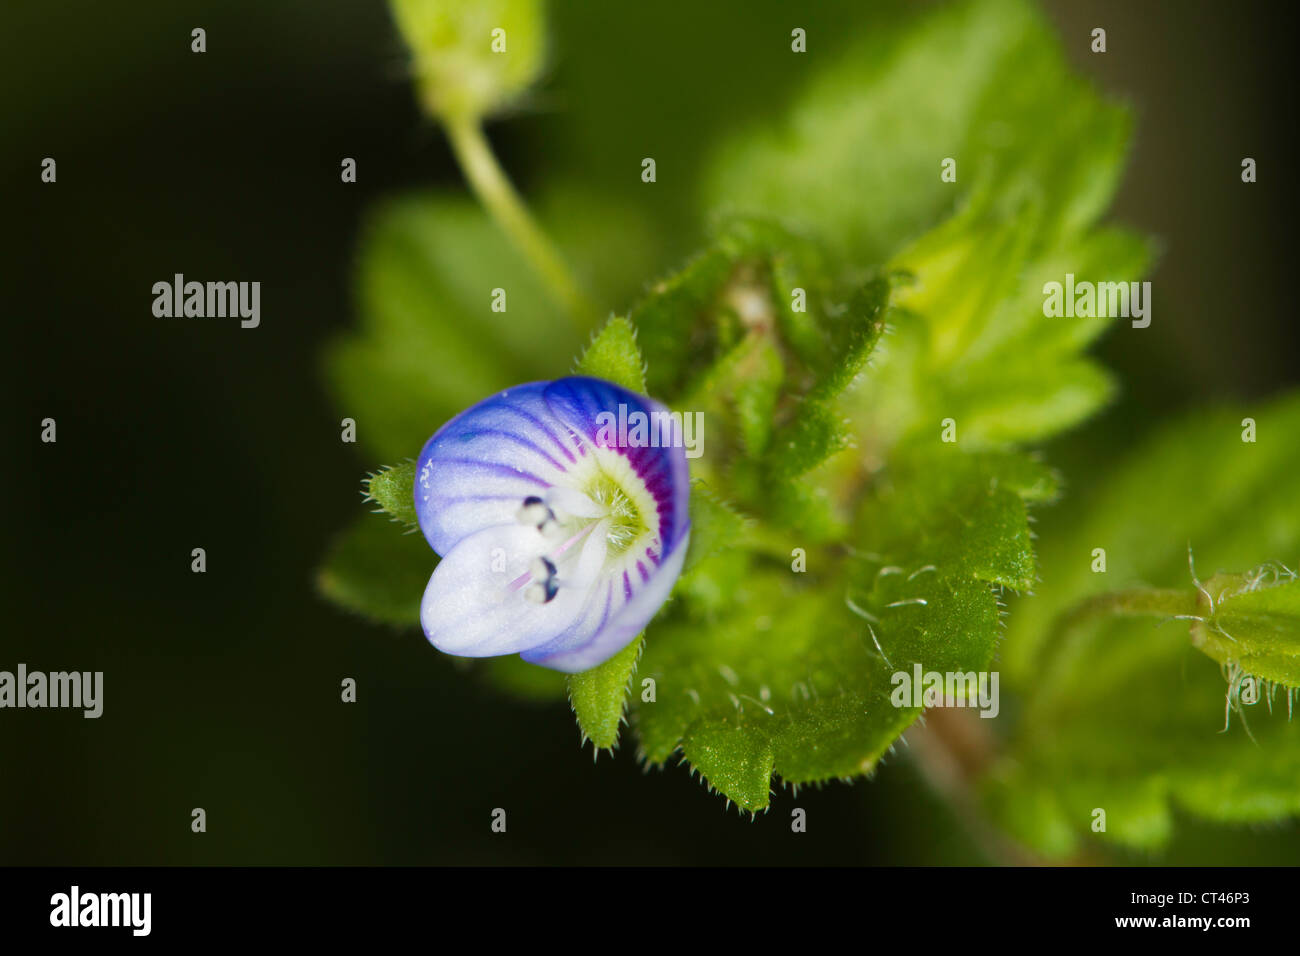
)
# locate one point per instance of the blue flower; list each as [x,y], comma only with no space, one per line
[560,535]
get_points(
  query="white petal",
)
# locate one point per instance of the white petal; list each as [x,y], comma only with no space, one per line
[474,605]
[582,648]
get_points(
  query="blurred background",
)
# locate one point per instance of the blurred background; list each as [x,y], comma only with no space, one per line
[222,689]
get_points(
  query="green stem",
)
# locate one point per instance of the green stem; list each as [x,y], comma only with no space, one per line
[1053,668]
[1136,602]
[494,190]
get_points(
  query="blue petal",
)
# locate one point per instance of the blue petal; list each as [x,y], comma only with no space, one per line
[471,480]
[577,401]
[611,620]
[478,468]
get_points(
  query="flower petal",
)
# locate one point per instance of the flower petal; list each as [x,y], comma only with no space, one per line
[597,635]
[474,604]
[493,593]
[578,402]
[478,468]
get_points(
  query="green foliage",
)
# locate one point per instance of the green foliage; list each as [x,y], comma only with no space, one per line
[1251,624]
[716,528]
[845,302]
[1038,157]
[516,678]
[1122,712]
[376,570]
[906,537]
[984,82]
[793,675]
[613,355]
[393,489]
[599,695]
[974,344]
[430,344]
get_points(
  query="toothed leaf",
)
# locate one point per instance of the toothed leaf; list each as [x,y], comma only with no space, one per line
[790,676]
[613,355]
[599,696]
[1253,624]
[393,489]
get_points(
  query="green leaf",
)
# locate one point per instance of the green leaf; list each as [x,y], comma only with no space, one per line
[518,678]
[1148,740]
[457,69]
[977,347]
[976,81]
[393,489]
[1092,679]
[1251,623]
[759,308]
[963,513]
[810,438]
[716,526]
[758,336]
[430,344]
[599,696]
[792,674]
[613,355]
[675,325]
[851,339]
[376,570]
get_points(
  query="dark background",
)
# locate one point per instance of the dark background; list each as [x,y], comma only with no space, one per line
[222,689]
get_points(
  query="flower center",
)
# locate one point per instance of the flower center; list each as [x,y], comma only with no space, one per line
[626,525]
[602,501]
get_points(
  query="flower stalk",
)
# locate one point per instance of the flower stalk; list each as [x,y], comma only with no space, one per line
[495,191]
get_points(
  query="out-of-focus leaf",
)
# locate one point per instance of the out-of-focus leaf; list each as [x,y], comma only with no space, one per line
[857,165]
[430,344]
[1124,714]
[516,677]
[971,342]
[857,159]
[377,570]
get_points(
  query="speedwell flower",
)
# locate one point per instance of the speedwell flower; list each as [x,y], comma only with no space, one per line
[560,535]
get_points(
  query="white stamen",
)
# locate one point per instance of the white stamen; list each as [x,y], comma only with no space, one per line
[534,512]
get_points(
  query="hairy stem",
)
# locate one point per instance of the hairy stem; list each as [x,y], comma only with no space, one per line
[1136,602]
[495,191]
